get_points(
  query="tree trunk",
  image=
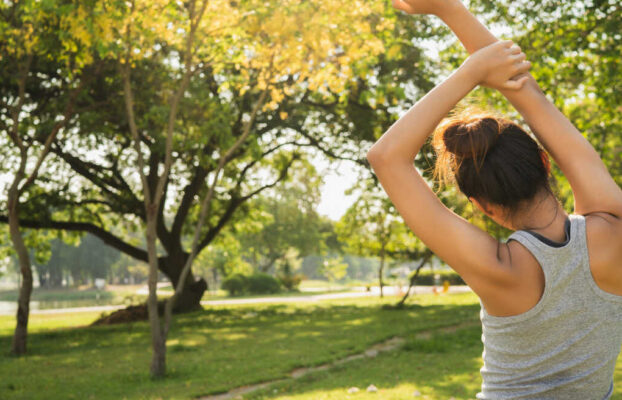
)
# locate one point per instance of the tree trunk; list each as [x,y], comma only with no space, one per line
[18,346]
[76,276]
[190,298]
[42,276]
[269,263]
[158,359]
[413,279]
[158,341]
[55,279]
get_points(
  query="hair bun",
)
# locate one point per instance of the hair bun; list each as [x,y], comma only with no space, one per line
[471,138]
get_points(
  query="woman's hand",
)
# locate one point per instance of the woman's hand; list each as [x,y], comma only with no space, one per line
[435,7]
[501,65]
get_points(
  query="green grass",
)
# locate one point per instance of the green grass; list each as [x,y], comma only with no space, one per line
[224,347]
[443,367]
[43,323]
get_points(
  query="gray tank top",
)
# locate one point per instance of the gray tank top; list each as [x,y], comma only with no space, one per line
[566,346]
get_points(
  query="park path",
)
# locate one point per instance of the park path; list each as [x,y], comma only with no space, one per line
[357,292]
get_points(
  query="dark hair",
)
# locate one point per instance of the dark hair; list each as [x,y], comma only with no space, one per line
[491,159]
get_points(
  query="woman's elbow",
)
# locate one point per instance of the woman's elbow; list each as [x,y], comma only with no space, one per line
[376,156]
[379,157]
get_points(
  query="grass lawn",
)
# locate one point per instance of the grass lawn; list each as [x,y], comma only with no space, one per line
[224,347]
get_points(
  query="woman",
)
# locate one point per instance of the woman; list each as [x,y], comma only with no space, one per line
[551,295]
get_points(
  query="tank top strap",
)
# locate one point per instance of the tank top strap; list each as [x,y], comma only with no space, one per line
[552,255]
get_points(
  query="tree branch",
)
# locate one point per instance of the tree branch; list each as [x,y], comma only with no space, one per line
[236,202]
[85,169]
[101,233]
[52,136]
[187,200]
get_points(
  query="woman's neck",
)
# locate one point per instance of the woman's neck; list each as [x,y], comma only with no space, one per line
[546,217]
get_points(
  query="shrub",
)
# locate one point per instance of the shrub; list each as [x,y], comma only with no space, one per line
[258,283]
[426,278]
[290,282]
[235,284]
[261,283]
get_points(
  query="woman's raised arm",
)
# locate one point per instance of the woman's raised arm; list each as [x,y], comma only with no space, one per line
[473,253]
[593,187]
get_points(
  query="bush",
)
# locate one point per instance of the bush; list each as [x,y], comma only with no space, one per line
[290,282]
[260,283]
[426,278]
[235,284]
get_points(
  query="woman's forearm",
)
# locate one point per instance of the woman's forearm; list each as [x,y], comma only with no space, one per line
[403,140]
[474,35]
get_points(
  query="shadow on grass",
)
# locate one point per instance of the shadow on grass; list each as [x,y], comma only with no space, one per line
[210,351]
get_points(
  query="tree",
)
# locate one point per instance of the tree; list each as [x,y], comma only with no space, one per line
[277,54]
[371,226]
[288,265]
[308,108]
[224,256]
[84,262]
[29,31]
[333,269]
[289,220]
[140,52]
[135,30]
[425,256]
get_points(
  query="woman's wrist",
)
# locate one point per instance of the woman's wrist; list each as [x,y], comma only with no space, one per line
[470,72]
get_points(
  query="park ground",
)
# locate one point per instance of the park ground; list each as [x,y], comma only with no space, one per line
[226,347]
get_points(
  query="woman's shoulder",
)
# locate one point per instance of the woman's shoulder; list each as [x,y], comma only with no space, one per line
[524,287]
[604,244]
[604,230]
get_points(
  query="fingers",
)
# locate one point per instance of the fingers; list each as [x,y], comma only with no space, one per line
[397,4]
[516,84]
[522,67]
[401,5]
[507,43]
[515,49]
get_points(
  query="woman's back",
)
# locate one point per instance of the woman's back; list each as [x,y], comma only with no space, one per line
[567,345]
